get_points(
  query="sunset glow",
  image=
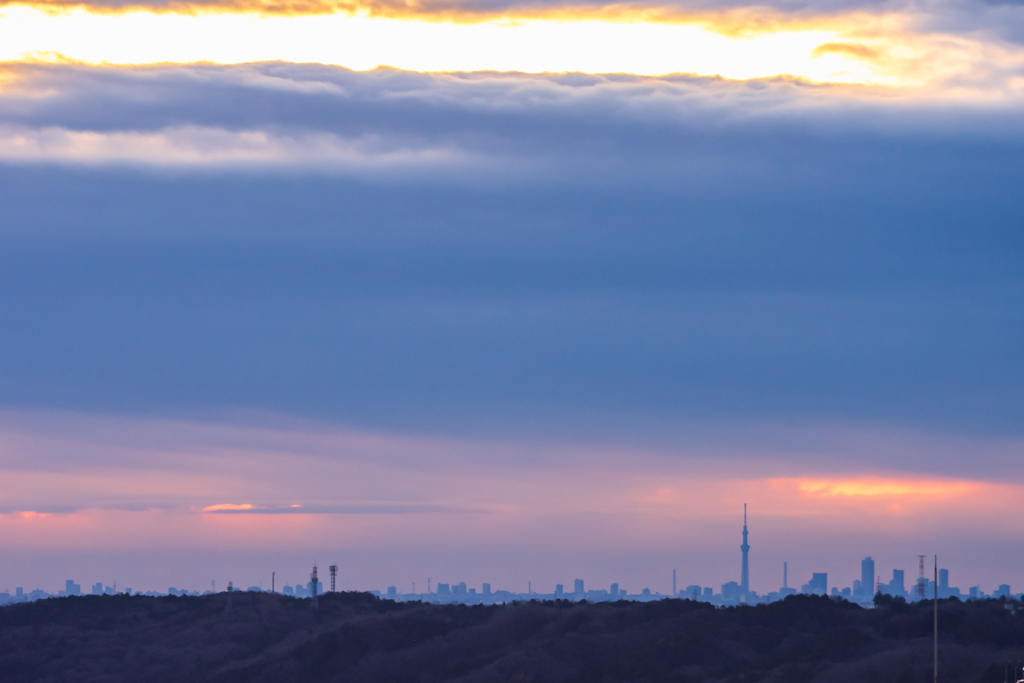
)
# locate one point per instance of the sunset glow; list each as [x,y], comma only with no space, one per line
[227,506]
[828,52]
[873,487]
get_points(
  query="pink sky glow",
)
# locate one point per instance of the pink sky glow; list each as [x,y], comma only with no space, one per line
[158,503]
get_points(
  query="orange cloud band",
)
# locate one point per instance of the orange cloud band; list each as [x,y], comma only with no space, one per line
[732,21]
[854,48]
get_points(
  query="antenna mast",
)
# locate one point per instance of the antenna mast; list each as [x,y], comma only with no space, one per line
[920,577]
[334,575]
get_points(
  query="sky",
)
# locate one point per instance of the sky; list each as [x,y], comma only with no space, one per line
[510,292]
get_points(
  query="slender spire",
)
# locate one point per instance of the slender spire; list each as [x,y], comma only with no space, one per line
[745,548]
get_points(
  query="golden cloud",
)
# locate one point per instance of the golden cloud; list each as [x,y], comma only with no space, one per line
[878,487]
[227,506]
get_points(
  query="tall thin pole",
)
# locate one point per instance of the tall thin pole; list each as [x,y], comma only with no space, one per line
[935,663]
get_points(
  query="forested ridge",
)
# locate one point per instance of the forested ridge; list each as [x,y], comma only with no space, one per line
[259,637]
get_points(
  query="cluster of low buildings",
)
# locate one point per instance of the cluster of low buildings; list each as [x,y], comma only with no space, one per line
[729,593]
[862,591]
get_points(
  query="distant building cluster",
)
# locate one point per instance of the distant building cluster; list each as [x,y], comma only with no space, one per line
[862,591]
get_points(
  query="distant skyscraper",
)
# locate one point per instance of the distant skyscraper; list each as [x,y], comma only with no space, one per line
[943,579]
[898,582]
[614,592]
[745,575]
[896,587]
[818,584]
[578,587]
[867,578]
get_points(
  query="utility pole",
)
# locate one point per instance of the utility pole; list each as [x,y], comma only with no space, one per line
[936,643]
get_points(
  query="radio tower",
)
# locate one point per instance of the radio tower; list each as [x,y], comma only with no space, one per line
[745,577]
[334,575]
[313,584]
[920,577]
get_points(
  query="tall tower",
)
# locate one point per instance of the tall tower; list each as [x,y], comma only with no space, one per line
[334,575]
[745,578]
[867,579]
[313,586]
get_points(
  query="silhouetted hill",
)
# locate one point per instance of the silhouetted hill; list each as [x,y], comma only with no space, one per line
[259,637]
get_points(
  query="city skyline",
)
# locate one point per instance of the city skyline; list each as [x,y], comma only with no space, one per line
[729,592]
[898,586]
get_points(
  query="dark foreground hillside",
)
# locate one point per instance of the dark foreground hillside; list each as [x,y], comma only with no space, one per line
[356,637]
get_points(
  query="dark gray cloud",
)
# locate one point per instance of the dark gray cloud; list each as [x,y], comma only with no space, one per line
[603,254]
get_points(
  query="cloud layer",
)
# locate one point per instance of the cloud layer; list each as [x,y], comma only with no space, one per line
[468,247]
[528,326]
[957,49]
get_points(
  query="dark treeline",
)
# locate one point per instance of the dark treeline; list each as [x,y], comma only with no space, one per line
[258,637]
